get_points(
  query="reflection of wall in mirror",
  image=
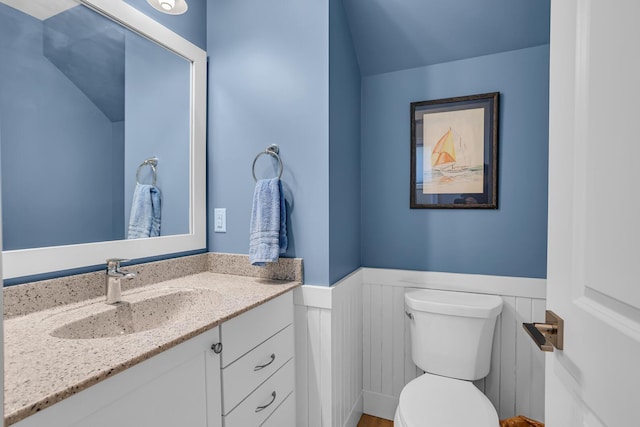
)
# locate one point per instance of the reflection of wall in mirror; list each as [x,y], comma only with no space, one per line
[48,167]
[63,152]
[157,114]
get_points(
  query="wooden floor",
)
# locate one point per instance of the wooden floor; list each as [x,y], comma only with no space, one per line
[370,421]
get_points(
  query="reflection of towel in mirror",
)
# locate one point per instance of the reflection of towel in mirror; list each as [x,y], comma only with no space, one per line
[268,231]
[145,212]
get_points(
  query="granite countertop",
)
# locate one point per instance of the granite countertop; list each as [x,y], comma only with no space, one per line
[41,369]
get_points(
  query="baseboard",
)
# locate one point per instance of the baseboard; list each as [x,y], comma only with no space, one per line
[356,413]
[379,405]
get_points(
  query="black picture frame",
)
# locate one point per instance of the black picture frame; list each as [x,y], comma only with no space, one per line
[454,153]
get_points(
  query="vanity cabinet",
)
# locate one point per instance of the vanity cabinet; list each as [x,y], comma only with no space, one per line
[247,381]
[178,387]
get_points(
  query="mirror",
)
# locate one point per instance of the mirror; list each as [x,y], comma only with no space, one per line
[98,100]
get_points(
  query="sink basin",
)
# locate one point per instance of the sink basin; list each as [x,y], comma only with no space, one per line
[138,312]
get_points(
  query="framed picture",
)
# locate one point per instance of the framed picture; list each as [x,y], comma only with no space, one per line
[454,152]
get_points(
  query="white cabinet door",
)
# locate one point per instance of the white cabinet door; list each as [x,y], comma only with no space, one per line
[178,387]
[594,231]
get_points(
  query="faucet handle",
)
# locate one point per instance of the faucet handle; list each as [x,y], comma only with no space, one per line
[114,263]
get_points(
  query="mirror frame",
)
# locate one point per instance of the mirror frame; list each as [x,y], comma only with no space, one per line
[27,262]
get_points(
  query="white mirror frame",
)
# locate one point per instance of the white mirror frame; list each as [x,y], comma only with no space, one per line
[27,262]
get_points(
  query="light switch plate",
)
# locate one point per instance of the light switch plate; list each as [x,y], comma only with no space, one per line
[220,220]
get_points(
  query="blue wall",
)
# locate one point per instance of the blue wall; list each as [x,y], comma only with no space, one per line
[286,73]
[344,147]
[37,158]
[269,84]
[509,241]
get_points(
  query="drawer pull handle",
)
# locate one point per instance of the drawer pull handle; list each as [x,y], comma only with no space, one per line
[273,399]
[272,358]
[217,347]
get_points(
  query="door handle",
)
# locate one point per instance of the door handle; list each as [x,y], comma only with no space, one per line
[549,334]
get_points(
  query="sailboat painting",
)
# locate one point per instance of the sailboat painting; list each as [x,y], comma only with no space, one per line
[453,151]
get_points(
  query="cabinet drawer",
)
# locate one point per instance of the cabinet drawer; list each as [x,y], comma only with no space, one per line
[264,400]
[245,374]
[242,333]
[284,415]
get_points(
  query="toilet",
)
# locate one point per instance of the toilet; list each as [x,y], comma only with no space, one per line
[451,339]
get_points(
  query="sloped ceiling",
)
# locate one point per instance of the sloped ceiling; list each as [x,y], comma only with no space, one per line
[89,49]
[41,9]
[391,35]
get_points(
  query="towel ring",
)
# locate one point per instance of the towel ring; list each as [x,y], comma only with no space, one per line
[152,163]
[273,151]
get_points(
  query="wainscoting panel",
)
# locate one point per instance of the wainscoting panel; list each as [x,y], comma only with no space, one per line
[347,351]
[328,326]
[515,384]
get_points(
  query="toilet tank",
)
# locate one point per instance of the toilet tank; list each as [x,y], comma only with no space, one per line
[452,332]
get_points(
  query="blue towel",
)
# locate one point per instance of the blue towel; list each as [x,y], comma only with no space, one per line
[145,212]
[268,232]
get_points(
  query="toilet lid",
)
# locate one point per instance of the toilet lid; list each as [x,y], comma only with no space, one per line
[432,400]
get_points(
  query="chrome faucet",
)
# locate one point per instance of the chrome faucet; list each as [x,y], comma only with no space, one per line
[112,282]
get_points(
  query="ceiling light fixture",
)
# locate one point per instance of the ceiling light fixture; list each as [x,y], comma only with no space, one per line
[167,4]
[171,7]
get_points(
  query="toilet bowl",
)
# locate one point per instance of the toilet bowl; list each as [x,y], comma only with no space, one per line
[451,339]
[435,401]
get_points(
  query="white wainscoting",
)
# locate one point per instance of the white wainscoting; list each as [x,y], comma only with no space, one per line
[328,328]
[515,383]
[353,350]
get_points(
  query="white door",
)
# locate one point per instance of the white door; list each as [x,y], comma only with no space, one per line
[594,199]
